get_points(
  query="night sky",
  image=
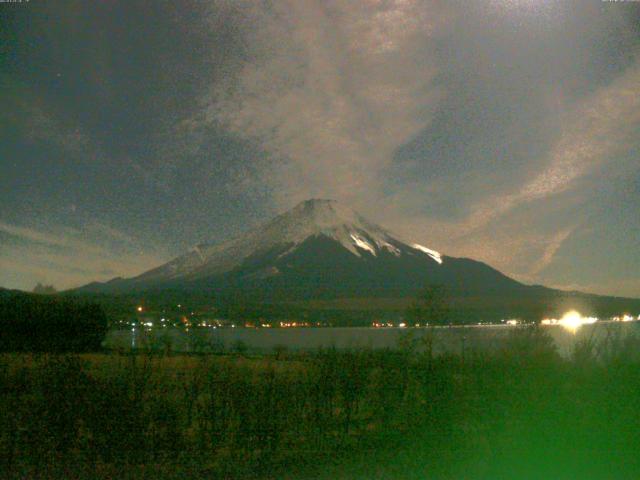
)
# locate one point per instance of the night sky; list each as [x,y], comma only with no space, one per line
[503,130]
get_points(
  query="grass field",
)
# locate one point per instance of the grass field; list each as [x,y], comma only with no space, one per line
[516,413]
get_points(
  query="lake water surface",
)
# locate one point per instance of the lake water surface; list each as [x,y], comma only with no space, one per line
[444,339]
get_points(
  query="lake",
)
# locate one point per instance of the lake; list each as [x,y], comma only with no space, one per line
[456,339]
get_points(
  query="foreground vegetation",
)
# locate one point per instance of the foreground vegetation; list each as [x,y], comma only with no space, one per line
[48,323]
[516,413]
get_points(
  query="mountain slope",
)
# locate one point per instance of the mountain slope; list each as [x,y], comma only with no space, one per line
[318,248]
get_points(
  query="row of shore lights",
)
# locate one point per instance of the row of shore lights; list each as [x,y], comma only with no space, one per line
[571,320]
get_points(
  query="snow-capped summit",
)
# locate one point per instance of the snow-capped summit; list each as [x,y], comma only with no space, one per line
[333,220]
[322,217]
[309,219]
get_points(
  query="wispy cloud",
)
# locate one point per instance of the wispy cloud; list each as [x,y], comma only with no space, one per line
[330,90]
[595,132]
[69,257]
[552,244]
[591,151]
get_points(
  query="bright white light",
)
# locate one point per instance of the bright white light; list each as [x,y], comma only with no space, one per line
[573,320]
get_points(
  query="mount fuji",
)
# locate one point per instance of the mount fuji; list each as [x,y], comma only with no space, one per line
[319,248]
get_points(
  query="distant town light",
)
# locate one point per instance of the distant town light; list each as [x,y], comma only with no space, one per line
[139,309]
[573,320]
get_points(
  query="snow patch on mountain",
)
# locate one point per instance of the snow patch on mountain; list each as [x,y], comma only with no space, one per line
[386,245]
[363,244]
[432,253]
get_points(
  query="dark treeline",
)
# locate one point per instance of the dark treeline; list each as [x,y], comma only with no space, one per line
[518,412]
[39,323]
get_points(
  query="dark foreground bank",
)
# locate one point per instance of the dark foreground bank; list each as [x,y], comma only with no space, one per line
[519,412]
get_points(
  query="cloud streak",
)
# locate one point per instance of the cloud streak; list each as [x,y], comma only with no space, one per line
[590,153]
[69,257]
[596,131]
[330,91]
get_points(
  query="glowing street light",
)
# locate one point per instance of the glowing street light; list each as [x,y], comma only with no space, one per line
[573,320]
